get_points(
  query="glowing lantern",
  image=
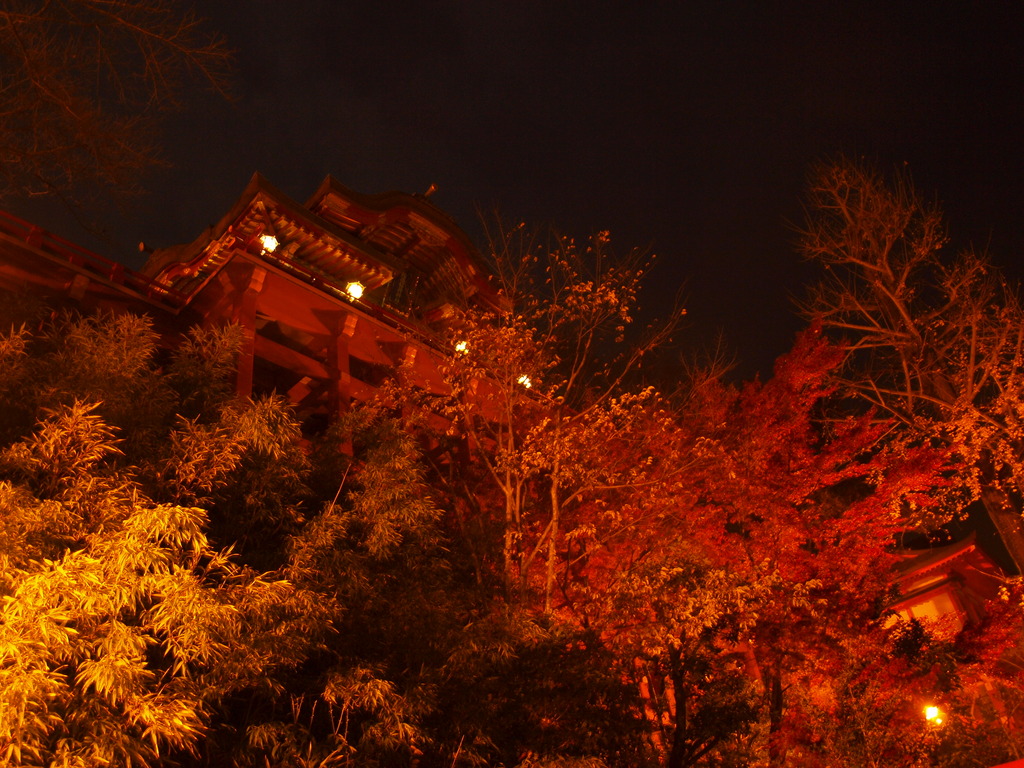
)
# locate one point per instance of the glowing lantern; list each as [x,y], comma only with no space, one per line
[269,243]
[354,290]
[933,714]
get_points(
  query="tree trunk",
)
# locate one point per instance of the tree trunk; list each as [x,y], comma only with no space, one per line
[776,750]
[652,712]
[1007,519]
[510,545]
[677,756]
[556,509]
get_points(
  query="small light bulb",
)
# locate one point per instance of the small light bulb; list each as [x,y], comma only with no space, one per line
[931,712]
[525,381]
[269,243]
[355,290]
[462,347]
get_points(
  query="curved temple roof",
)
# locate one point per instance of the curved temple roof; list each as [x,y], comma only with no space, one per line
[410,256]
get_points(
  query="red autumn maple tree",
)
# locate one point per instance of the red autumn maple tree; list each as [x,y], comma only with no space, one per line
[759,561]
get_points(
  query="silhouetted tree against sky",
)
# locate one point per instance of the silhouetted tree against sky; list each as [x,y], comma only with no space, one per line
[85,83]
[936,340]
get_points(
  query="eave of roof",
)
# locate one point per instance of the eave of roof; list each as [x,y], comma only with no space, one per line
[413,207]
[261,190]
[918,562]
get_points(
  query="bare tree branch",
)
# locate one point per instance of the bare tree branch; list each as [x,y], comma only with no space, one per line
[935,342]
[83,84]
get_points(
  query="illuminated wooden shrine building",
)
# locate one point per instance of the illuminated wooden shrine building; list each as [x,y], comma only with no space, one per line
[948,584]
[946,588]
[331,295]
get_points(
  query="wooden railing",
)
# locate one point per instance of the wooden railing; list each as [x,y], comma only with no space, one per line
[87,261]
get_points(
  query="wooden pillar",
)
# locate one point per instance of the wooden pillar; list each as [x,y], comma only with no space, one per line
[338,363]
[245,315]
[407,357]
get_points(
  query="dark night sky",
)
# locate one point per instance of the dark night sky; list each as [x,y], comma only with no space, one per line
[688,127]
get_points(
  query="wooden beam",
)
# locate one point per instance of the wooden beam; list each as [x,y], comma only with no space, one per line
[290,359]
[245,315]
